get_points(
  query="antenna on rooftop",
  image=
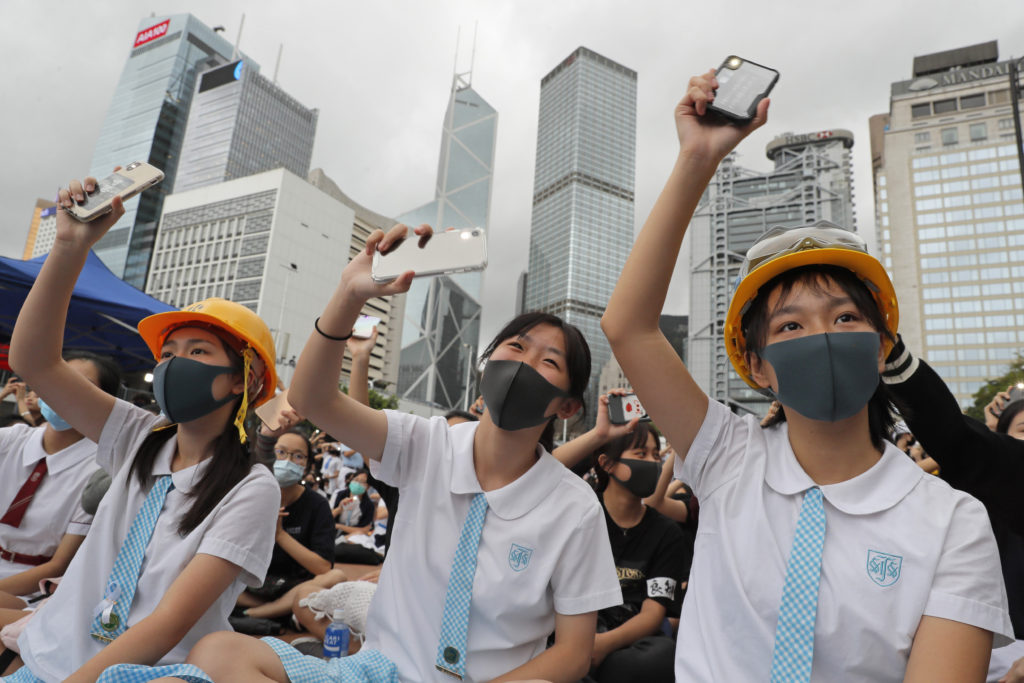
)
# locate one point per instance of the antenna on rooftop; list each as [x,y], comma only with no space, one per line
[277,66]
[238,38]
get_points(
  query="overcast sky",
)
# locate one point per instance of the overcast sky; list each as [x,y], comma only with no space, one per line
[379,73]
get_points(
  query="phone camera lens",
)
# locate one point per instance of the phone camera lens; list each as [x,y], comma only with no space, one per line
[476,233]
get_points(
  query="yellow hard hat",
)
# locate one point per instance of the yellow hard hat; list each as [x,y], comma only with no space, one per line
[781,249]
[236,321]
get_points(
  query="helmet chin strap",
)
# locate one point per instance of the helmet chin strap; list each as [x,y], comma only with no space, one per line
[243,407]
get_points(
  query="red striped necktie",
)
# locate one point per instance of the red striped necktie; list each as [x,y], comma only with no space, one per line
[20,503]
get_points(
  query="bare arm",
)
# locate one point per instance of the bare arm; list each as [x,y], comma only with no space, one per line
[946,650]
[568,659]
[314,391]
[359,378]
[192,593]
[27,582]
[645,623]
[573,452]
[670,395]
[310,560]
[675,510]
[39,332]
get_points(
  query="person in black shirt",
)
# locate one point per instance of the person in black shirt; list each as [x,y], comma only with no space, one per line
[648,549]
[305,534]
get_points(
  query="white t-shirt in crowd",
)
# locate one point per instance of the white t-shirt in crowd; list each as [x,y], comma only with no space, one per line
[239,529]
[56,507]
[331,465]
[899,544]
[543,549]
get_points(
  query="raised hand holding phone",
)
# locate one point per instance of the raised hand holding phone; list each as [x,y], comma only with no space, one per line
[357,277]
[74,233]
[710,137]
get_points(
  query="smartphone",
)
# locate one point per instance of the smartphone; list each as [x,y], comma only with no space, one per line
[1016,394]
[363,328]
[270,412]
[126,183]
[741,85]
[454,251]
[622,409]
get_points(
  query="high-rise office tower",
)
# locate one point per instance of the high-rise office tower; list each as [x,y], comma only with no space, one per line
[241,123]
[146,122]
[42,230]
[441,326]
[812,180]
[582,224]
[950,214]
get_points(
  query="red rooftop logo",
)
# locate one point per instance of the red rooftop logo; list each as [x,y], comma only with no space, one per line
[152,33]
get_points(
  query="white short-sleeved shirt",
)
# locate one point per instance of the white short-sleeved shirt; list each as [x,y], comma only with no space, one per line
[331,464]
[899,544]
[240,529]
[56,507]
[543,549]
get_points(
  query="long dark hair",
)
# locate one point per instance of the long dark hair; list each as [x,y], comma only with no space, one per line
[1006,417]
[577,357]
[614,449]
[816,278]
[231,462]
[107,371]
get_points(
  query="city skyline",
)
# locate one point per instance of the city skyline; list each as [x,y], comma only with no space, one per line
[392,99]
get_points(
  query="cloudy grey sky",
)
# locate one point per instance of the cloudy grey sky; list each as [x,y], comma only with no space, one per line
[379,72]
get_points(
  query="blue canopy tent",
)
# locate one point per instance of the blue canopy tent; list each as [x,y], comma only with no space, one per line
[103,314]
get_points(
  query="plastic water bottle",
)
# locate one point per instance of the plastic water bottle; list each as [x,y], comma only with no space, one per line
[337,637]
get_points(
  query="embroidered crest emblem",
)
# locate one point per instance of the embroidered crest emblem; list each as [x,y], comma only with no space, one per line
[883,568]
[519,557]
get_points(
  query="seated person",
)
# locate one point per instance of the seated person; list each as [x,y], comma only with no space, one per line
[304,547]
[648,550]
[355,516]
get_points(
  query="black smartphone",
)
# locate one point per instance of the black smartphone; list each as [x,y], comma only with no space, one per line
[742,84]
[622,409]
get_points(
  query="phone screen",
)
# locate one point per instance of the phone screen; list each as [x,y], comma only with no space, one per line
[364,326]
[740,85]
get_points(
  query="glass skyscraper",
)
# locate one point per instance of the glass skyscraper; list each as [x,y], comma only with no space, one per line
[240,124]
[582,224]
[146,122]
[441,328]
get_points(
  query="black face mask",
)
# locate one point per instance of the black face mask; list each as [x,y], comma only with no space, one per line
[643,477]
[516,395]
[183,388]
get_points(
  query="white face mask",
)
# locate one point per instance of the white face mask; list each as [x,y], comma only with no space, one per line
[287,472]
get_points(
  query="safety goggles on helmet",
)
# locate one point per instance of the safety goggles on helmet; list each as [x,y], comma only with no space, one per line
[783,249]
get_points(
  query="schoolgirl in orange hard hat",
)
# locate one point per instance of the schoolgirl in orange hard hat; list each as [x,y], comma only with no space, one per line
[189,518]
[823,550]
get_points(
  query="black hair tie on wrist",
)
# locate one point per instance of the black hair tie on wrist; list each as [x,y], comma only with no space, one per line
[316,325]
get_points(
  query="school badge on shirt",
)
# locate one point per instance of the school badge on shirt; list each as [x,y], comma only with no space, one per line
[519,557]
[883,568]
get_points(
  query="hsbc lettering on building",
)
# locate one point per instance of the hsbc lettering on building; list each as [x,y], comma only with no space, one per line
[152,33]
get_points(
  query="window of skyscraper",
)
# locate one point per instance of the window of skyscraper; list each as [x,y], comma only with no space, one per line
[972,101]
[979,131]
[923,136]
[949,135]
[944,106]
[919,110]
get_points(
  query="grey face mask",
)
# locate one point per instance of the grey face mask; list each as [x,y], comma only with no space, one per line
[516,395]
[827,377]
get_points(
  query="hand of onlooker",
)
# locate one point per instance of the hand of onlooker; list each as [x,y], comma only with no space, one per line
[72,232]
[769,417]
[605,429]
[704,135]
[361,348]
[478,406]
[1015,674]
[357,279]
[287,419]
[995,408]
[13,386]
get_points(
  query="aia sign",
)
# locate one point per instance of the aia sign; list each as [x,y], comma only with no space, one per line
[152,33]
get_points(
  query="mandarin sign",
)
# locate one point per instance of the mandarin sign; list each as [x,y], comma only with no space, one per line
[956,77]
[152,33]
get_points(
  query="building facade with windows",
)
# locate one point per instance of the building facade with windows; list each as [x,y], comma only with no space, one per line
[441,325]
[582,224]
[950,214]
[272,242]
[241,123]
[42,231]
[812,181]
[146,122]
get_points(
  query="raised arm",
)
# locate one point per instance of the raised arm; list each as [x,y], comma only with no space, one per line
[314,390]
[39,332]
[359,377]
[571,453]
[666,389]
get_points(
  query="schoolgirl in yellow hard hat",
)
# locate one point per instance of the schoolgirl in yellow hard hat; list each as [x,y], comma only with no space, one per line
[824,553]
[188,519]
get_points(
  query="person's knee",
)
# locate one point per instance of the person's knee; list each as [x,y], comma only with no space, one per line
[208,653]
